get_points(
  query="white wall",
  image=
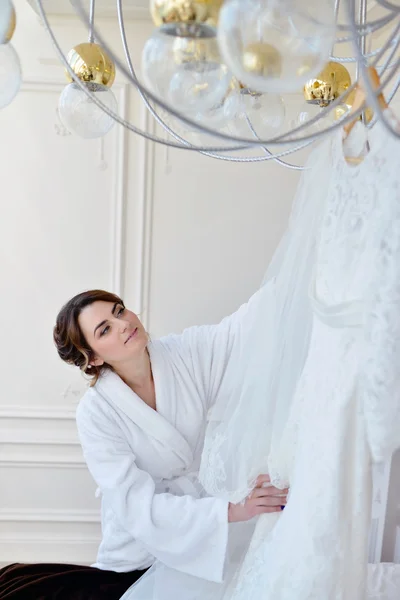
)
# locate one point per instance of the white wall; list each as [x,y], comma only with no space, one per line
[183,238]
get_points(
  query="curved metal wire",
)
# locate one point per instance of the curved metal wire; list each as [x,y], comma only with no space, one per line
[113,114]
[91,21]
[246,143]
[284,139]
[365,29]
[168,129]
[368,26]
[388,5]
[372,95]
[279,140]
[353,59]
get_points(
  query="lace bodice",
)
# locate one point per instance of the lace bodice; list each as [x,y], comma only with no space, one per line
[352,223]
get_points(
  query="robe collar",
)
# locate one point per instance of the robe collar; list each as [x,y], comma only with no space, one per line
[110,386]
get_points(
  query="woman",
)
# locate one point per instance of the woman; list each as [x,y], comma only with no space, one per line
[142,424]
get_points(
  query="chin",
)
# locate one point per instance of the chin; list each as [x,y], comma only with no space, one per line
[139,342]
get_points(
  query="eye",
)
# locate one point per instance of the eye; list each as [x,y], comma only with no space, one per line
[121,311]
[105,330]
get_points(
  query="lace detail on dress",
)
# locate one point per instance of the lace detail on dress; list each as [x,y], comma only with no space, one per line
[381,372]
[213,467]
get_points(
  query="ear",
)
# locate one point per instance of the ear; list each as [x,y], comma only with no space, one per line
[97,362]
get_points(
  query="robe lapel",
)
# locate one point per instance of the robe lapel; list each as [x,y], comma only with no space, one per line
[178,453]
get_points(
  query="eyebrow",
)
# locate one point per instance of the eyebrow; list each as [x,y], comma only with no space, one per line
[105,321]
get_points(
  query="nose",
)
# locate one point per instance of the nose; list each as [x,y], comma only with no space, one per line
[123,325]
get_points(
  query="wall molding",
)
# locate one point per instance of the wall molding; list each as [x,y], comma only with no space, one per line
[42,413]
[39,437]
[51,515]
[118,187]
[119,195]
[42,462]
[49,455]
[144,227]
[133,9]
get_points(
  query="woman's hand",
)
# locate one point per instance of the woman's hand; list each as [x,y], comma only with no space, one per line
[261,500]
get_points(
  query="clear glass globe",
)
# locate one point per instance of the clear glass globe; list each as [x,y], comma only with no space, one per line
[276,45]
[216,118]
[307,113]
[10,74]
[263,113]
[221,114]
[181,64]
[81,115]
[5,17]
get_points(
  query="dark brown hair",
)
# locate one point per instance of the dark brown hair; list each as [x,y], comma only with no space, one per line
[70,342]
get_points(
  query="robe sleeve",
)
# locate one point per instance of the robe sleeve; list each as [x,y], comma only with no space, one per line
[211,352]
[185,533]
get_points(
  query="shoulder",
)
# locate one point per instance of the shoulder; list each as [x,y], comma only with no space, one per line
[93,412]
[178,347]
[88,404]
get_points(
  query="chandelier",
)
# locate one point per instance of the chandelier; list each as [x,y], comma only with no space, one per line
[221,69]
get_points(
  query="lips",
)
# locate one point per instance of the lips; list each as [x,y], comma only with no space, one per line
[131,335]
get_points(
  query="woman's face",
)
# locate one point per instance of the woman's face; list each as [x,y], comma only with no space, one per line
[114,333]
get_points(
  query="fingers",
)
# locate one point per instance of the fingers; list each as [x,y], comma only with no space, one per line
[269,501]
[268,491]
[262,510]
[261,479]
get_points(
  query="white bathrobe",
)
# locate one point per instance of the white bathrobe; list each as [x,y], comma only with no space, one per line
[146,462]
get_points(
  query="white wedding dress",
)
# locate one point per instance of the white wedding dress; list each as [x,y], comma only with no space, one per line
[315,394]
[345,412]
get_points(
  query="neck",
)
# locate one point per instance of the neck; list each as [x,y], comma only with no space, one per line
[138,376]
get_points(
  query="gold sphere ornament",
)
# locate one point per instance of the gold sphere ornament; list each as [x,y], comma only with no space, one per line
[330,83]
[185,11]
[262,59]
[12,25]
[91,63]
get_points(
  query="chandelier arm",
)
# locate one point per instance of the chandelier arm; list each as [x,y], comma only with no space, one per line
[336,13]
[246,143]
[281,162]
[339,100]
[362,45]
[91,21]
[387,63]
[139,86]
[132,71]
[388,5]
[394,91]
[372,95]
[361,28]
[279,140]
[367,30]
[105,108]
[369,26]
[268,152]
[365,104]
[390,97]
[165,126]
[261,158]
[352,59]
